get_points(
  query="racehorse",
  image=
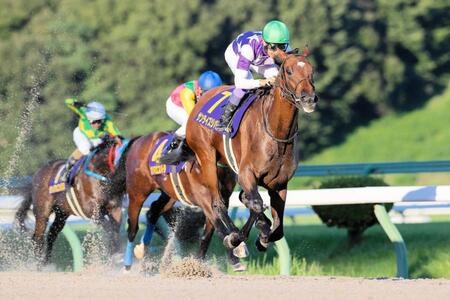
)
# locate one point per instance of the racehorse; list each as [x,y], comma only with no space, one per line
[140,184]
[95,196]
[263,148]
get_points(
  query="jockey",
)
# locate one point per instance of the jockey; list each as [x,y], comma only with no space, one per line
[253,51]
[93,125]
[178,107]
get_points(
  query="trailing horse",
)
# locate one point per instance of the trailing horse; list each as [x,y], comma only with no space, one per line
[262,151]
[93,194]
[144,175]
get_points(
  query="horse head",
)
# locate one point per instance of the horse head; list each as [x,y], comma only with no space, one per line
[295,79]
[101,159]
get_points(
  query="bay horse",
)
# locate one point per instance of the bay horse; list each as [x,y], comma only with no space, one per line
[140,184]
[92,198]
[264,147]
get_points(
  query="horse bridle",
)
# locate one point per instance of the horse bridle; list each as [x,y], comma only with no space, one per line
[290,97]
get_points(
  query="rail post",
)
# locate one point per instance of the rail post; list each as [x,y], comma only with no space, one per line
[75,245]
[395,237]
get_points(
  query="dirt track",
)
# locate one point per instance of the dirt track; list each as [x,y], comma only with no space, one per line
[20,285]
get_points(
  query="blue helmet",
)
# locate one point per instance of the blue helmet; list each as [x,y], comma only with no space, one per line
[208,80]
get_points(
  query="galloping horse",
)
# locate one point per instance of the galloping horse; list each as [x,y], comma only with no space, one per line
[263,148]
[93,196]
[189,188]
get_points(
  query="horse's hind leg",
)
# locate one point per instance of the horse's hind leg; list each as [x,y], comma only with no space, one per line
[55,229]
[42,208]
[38,237]
[163,204]
[204,245]
[206,239]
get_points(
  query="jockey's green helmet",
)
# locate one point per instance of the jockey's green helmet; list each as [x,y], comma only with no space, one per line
[95,111]
[276,32]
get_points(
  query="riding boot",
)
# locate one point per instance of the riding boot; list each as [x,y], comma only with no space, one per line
[70,162]
[225,119]
[174,152]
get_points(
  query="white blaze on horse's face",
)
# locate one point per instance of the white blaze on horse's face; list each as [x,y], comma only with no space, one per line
[307,99]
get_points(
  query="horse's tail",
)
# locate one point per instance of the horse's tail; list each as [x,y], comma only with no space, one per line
[22,211]
[118,180]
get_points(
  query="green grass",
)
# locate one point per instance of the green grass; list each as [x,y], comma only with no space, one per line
[317,250]
[418,135]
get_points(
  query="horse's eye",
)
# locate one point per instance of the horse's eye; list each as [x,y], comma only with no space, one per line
[289,71]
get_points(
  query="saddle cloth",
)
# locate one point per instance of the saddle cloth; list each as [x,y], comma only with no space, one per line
[57,184]
[211,111]
[157,168]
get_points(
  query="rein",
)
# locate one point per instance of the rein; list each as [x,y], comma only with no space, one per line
[289,96]
[272,136]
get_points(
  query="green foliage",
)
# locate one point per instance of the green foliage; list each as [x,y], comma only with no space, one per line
[415,136]
[356,218]
[371,59]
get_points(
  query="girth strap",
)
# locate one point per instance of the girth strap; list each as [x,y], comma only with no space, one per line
[229,153]
[74,204]
[178,187]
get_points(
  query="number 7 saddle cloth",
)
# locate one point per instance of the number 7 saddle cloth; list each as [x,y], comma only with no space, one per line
[211,111]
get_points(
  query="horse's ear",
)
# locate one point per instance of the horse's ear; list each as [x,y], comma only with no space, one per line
[280,57]
[305,51]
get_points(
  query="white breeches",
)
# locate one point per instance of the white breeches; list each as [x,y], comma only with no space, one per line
[179,115]
[83,143]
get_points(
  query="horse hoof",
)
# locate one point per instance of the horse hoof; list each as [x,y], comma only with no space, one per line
[241,251]
[261,246]
[239,267]
[227,242]
[231,241]
[139,251]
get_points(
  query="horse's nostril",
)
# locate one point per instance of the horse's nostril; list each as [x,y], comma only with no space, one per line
[316,99]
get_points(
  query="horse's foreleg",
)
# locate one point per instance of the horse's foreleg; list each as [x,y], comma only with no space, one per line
[254,202]
[55,229]
[112,227]
[277,202]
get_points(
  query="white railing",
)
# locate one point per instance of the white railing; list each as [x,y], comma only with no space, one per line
[360,195]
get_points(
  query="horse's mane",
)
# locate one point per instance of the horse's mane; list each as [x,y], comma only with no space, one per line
[263,91]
